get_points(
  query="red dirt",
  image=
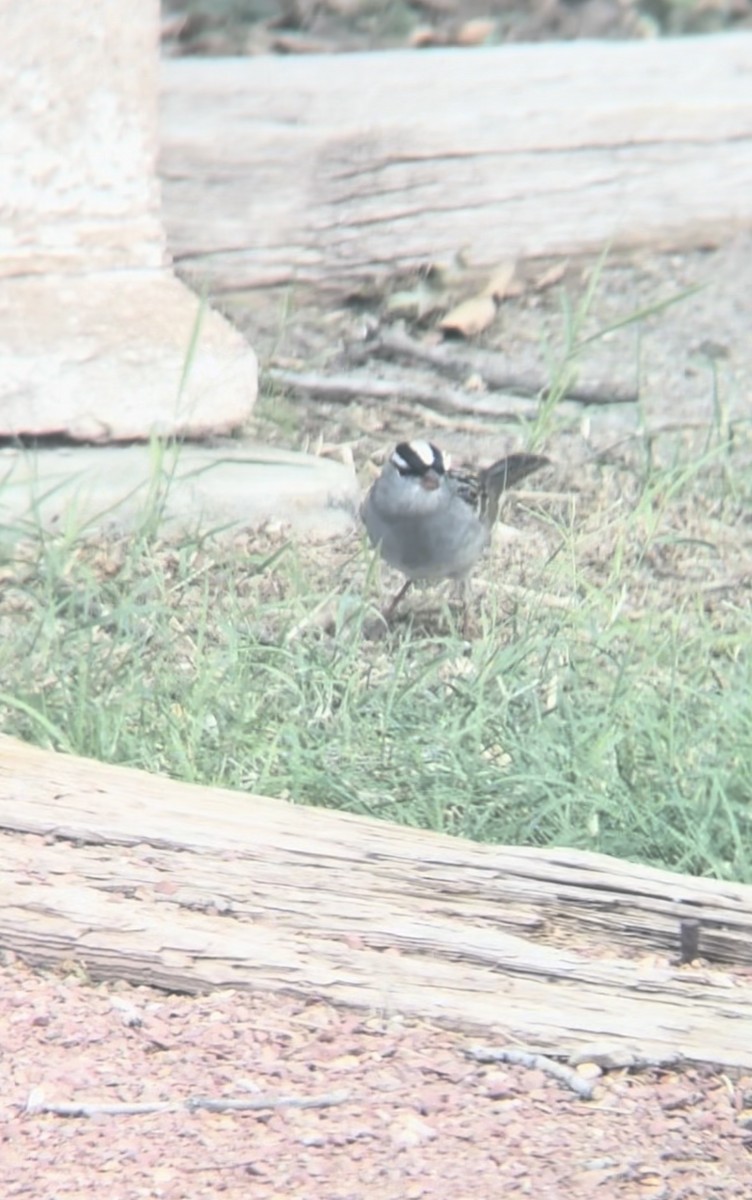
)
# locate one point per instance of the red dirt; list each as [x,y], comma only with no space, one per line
[420,1119]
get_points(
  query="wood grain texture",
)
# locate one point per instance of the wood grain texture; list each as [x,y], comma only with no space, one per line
[335,171]
[191,888]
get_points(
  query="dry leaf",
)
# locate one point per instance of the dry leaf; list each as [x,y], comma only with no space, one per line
[424,36]
[475,383]
[589,1070]
[471,317]
[499,285]
[295,43]
[548,278]
[474,33]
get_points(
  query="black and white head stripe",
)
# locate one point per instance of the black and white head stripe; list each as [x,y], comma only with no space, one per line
[415,458]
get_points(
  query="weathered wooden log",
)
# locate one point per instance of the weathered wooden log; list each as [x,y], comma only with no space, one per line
[340,170]
[191,888]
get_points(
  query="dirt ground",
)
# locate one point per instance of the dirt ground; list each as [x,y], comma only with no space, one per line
[334,26]
[398,1110]
[686,364]
[666,378]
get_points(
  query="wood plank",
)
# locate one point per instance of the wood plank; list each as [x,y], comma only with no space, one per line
[191,888]
[335,171]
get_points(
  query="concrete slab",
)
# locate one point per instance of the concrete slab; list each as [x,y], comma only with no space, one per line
[95,331]
[220,489]
[113,356]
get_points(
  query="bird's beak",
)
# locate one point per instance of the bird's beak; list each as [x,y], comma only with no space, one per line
[430,481]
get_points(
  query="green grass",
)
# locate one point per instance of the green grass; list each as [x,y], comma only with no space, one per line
[606,705]
[618,719]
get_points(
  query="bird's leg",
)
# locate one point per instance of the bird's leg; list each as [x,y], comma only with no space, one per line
[465,586]
[463,593]
[390,609]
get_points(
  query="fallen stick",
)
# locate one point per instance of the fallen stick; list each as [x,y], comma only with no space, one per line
[523,1058]
[527,595]
[493,368]
[344,388]
[192,1104]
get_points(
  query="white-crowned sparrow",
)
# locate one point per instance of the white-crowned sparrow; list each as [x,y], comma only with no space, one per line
[431,522]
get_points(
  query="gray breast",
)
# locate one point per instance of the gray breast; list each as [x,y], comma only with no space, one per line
[437,537]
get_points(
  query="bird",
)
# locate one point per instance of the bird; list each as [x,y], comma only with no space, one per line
[432,522]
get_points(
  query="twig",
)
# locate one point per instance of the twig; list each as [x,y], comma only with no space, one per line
[523,1058]
[247,1165]
[252,1103]
[564,603]
[192,1104]
[493,368]
[430,416]
[616,1057]
[344,388]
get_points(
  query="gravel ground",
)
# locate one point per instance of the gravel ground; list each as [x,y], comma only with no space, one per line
[409,1115]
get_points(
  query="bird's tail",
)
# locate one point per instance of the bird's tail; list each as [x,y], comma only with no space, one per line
[504,474]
